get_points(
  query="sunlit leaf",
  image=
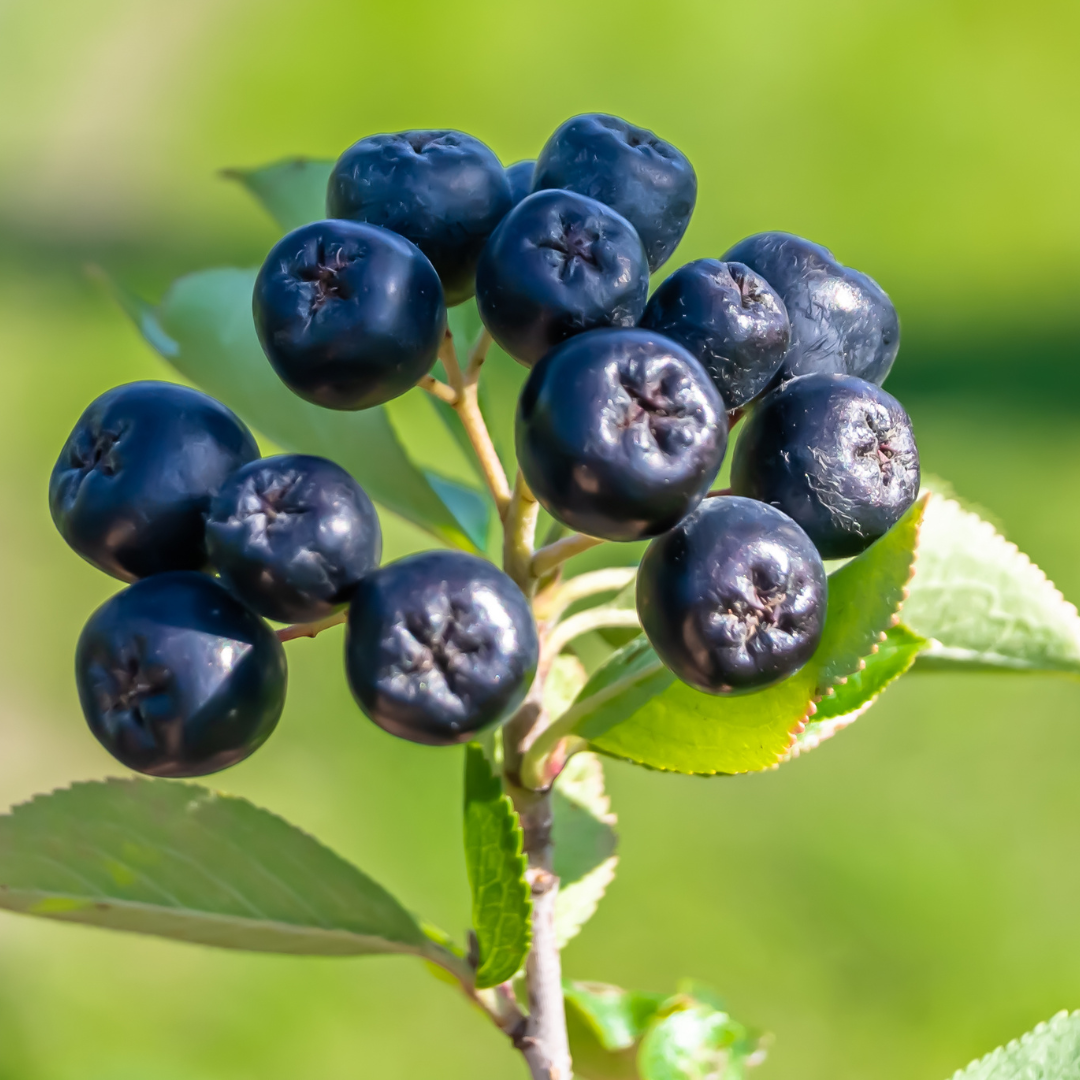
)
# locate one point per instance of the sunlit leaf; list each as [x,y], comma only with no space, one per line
[502,906]
[1050,1052]
[178,861]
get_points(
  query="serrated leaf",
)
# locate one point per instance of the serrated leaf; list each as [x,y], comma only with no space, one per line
[179,861]
[1050,1052]
[502,905]
[584,839]
[695,1043]
[635,709]
[983,603]
[204,328]
[293,191]
[850,700]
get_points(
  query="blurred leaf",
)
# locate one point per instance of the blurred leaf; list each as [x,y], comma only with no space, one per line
[584,837]
[635,709]
[293,191]
[502,906]
[178,861]
[564,682]
[695,1043]
[203,327]
[618,1017]
[1050,1052]
[983,603]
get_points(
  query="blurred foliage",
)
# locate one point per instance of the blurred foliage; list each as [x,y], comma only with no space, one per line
[892,905]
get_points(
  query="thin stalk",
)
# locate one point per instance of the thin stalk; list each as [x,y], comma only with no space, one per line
[519,533]
[310,629]
[591,619]
[551,603]
[547,558]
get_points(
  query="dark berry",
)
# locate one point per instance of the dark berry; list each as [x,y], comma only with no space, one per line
[178,678]
[619,433]
[292,535]
[734,597]
[842,322]
[439,645]
[349,315]
[629,169]
[443,190]
[833,452]
[520,177]
[729,318]
[136,474]
[559,264]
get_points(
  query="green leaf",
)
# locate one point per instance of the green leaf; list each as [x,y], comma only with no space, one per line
[178,861]
[293,191]
[983,603]
[1050,1052]
[695,1043]
[633,708]
[585,841]
[618,1017]
[204,328]
[502,906]
[849,701]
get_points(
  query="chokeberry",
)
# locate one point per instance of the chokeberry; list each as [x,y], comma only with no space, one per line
[833,452]
[729,318]
[349,315]
[734,597]
[178,678]
[135,477]
[628,168]
[619,433]
[292,535]
[558,264]
[439,645]
[520,177]
[842,322]
[443,190]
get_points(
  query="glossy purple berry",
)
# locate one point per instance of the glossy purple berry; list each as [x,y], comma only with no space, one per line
[292,536]
[520,177]
[178,678]
[734,597]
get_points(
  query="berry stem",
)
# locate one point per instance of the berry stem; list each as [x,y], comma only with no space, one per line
[592,619]
[310,629]
[553,555]
[462,394]
[519,533]
[553,601]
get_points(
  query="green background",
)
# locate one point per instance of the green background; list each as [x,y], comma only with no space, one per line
[890,906]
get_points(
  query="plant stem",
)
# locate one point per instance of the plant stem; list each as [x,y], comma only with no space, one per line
[547,558]
[552,602]
[519,534]
[581,623]
[310,629]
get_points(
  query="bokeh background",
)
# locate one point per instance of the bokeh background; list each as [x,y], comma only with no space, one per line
[889,906]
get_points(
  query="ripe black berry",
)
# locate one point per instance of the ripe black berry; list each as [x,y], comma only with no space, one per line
[439,645]
[842,322]
[520,177]
[349,315]
[835,453]
[734,597]
[292,535]
[729,318]
[559,264]
[177,678]
[619,433]
[443,190]
[629,169]
[134,479]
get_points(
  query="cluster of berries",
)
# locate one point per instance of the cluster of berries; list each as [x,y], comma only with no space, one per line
[621,429]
